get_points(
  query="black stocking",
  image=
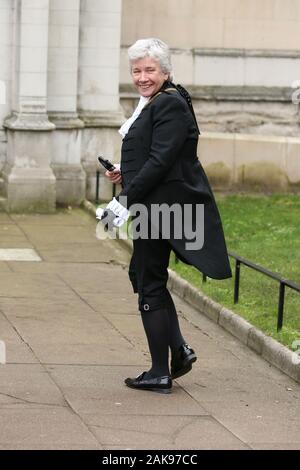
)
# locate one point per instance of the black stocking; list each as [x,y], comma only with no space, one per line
[156,325]
[176,338]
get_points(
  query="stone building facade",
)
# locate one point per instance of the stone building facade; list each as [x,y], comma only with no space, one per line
[65,89]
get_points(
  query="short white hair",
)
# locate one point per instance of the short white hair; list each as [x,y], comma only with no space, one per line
[154,48]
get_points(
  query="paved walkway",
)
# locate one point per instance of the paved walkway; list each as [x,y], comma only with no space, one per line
[72,334]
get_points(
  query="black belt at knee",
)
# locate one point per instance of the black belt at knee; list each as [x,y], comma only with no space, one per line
[152,303]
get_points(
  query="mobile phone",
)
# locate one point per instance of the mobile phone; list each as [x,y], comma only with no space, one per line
[106,163]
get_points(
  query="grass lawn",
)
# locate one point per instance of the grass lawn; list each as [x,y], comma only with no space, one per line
[266,230]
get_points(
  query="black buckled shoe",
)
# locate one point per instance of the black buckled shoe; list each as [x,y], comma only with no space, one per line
[157,384]
[182,360]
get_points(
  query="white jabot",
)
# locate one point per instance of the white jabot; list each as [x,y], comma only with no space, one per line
[127,124]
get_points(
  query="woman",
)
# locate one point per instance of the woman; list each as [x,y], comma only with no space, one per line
[159,167]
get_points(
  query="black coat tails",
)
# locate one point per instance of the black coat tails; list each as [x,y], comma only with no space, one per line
[159,165]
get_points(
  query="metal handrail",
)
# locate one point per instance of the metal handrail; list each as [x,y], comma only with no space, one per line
[276,276]
[97,200]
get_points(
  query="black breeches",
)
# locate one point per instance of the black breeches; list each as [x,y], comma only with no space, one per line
[148,272]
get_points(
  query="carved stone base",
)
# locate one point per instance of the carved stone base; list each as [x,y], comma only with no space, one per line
[29,182]
[28,121]
[70,183]
[29,189]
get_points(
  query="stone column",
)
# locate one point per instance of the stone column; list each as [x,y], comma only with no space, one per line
[28,178]
[98,87]
[5,82]
[5,60]
[62,100]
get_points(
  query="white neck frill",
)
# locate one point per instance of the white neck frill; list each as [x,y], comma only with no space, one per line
[127,124]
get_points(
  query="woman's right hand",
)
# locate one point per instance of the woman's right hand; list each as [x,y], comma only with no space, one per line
[115,175]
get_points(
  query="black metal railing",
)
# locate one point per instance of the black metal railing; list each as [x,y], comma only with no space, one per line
[97,191]
[283,283]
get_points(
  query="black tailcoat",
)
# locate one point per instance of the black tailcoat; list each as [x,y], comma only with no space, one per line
[159,164]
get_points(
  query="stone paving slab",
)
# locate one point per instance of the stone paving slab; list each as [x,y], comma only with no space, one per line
[169,432]
[19,254]
[10,232]
[131,327]
[66,218]
[125,304]
[69,331]
[75,253]
[86,354]
[17,351]
[4,267]
[32,285]
[100,390]
[28,384]
[226,384]
[276,446]
[14,242]
[88,269]
[97,280]
[279,422]
[44,428]
[58,234]
[5,219]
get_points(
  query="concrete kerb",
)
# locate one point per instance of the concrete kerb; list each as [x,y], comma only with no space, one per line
[270,350]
